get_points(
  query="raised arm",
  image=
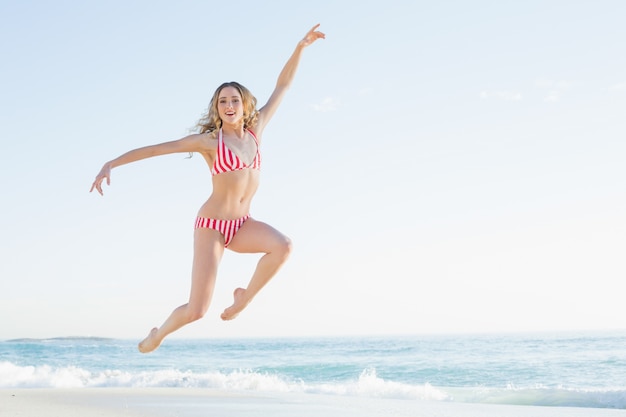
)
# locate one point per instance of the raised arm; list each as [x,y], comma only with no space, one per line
[191,143]
[285,79]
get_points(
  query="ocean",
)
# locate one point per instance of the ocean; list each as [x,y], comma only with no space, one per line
[586,370]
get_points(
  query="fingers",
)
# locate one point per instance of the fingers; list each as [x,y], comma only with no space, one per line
[316,34]
[97,184]
[105,173]
[312,35]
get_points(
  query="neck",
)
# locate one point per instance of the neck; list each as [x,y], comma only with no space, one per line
[234,129]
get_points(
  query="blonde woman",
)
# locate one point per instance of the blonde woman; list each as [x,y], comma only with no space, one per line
[229,139]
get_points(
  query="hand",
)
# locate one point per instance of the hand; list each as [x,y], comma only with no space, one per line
[311,36]
[105,172]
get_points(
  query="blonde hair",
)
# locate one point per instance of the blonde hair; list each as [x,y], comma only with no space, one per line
[211,122]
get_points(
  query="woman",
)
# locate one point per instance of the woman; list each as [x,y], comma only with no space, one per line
[229,140]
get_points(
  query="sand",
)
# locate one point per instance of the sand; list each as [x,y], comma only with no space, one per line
[187,402]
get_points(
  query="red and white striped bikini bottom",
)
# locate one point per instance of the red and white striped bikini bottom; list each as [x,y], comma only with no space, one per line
[228,228]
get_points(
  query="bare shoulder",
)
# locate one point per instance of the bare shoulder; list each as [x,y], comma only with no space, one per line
[256,132]
[207,141]
[259,127]
[197,142]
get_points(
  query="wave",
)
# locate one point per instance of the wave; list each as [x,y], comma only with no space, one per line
[368,384]
[62,339]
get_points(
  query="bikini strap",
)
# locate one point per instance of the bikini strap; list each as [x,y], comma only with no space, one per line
[253,136]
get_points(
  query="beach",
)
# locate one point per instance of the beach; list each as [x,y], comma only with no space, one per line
[391,376]
[185,402]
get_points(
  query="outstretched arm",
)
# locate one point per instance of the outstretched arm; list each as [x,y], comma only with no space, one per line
[285,78]
[191,143]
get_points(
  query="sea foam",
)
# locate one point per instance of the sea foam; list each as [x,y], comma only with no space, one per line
[368,384]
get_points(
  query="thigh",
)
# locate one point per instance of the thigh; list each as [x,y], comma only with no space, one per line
[208,248]
[257,237]
[208,251]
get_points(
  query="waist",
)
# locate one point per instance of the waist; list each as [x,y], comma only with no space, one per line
[232,195]
[218,207]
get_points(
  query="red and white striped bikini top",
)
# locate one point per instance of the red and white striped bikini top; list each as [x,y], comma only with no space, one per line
[227,161]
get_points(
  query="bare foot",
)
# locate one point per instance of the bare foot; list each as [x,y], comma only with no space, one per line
[239,304]
[150,343]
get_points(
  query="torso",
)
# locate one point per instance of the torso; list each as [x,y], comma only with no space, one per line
[235,166]
[236,155]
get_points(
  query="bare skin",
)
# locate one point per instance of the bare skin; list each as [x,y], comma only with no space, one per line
[253,237]
[230,199]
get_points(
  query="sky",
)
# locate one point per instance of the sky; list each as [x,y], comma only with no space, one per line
[441,167]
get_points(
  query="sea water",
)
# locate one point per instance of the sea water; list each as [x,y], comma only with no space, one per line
[569,370]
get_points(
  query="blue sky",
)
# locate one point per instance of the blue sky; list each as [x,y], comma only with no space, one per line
[441,167]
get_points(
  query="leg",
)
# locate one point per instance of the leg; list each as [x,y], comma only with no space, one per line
[257,237]
[207,253]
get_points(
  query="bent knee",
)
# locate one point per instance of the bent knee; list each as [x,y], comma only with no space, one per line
[284,248]
[196,312]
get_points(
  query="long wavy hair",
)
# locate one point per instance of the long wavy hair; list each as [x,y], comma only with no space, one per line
[211,122]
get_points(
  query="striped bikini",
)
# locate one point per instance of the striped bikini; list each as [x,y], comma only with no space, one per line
[228,228]
[227,161]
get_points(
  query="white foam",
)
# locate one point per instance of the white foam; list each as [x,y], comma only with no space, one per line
[368,384]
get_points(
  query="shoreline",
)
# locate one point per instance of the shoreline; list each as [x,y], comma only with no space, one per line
[196,402]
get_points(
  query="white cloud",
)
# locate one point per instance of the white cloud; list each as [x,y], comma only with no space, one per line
[618,87]
[556,88]
[552,97]
[502,95]
[327,104]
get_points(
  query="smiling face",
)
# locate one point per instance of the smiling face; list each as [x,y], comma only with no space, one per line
[230,106]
